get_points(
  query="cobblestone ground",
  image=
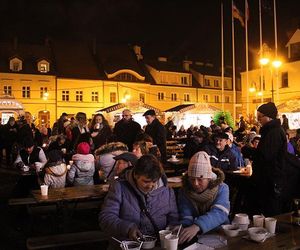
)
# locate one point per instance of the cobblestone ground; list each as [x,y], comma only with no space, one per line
[17,224]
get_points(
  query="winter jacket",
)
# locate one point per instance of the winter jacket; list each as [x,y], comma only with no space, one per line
[82,170]
[239,160]
[158,133]
[215,216]
[224,160]
[55,175]
[121,210]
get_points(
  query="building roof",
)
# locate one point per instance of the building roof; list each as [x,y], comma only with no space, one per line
[29,54]
[181,108]
[167,66]
[209,70]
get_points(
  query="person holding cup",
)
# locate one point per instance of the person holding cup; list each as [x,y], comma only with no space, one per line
[203,201]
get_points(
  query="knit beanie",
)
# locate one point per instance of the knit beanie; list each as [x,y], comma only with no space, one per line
[83,148]
[199,166]
[268,109]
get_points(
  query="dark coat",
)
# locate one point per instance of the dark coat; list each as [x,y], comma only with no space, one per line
[126,132]
[103,137]
[158,133]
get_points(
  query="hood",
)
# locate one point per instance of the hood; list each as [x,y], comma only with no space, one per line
[213,183]
[84,162]
[59,169]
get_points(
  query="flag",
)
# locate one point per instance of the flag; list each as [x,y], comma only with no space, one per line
[236,13]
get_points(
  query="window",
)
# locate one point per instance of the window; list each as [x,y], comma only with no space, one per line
[113,97]
[227,99]
[142,97]
[184,80]
[174,97]
[44,68]
[43,90]
[284,80]
[205,98]
[161,96]
[95,96]
[7,90]
[217,99]
[79,96]
[15,64]
[186,97]
[65,95]
[295,50]
[206,82]
[126,77]
[216,83]
[26,92]
[225,84]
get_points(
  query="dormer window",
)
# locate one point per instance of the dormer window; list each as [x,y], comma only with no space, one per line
[15,64]
[43,66]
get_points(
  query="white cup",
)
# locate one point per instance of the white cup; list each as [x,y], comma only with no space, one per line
[270,224]
[258,220]
[44,190]
[241,219]
[173,157]
[71,163]
[64,150]
[171,242]
[162,235]
[38,166]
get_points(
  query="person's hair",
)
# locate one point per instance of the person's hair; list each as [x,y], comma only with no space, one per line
[80,116]
[148,166]
[144,137]
[11,119]
[60,137]
[143,146]
[104,121]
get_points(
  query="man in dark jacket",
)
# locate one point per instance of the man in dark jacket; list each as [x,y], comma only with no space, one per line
[269,163]
[220,153]
[127,129]
[157,131]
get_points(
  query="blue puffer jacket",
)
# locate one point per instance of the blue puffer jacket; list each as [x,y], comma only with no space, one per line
[217,213]
[121,210]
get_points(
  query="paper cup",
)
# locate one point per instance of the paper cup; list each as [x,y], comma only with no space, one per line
[270,224]
[162,235]
[71,163]
[44,190]
[258,220]
[171,242]
[241,219]
[173,157]
[64,150]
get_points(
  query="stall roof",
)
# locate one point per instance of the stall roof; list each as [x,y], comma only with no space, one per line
[181,108]
[122,105]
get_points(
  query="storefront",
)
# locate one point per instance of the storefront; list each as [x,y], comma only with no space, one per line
[191,114]
[10,107]
[292,111]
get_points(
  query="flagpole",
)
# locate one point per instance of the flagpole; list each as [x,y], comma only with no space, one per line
[276,49]
[222,54]
[261,52]
[233,64]
[247,58]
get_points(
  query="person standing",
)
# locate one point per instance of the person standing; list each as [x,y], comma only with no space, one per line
[285,123]
[269,165]
[100,131]
[127,129]
[10,138]
[157,131]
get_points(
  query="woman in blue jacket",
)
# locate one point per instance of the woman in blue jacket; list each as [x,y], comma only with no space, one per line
[203,201]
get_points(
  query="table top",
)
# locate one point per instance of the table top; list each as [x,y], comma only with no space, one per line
[71,193]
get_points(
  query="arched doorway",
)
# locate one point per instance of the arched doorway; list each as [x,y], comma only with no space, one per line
[44,118]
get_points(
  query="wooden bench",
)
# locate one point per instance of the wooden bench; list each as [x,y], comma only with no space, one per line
[68,239]
[21,201]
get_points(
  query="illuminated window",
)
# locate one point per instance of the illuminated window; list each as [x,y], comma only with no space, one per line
[161,96]
[174,97]
[186,97]
[26,92]
[7,90]
[285,79]
[44,68]
[205,98]
[43,90]
[65,95]
[142,97]
[95,97]
[217,99]
[216,83]
[206,82]
[79,96]
[113,97]
[15,64]
[184,80]
[126,77]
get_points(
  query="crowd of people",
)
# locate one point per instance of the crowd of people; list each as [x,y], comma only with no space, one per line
[132,161]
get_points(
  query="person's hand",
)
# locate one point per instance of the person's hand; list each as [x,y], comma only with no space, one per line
[188,233]
[134,233]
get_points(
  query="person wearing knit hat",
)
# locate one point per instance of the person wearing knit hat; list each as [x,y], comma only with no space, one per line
[269,165]
[203,200]
[83,167]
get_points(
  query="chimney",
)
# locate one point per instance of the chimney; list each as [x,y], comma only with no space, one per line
[15,44]
[162,59]
[186,65]
[137,51]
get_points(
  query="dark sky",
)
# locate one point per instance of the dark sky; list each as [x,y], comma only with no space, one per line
[173,28]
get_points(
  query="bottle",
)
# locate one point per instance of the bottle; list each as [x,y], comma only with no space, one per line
[296,213]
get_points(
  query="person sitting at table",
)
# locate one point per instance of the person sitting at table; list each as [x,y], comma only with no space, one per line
[140,148]
[194,144]
[181,132]
[153,149]
[83,167]
[139,203]
[55,170]
[220,153]
[124,161]
[203,201]
[239,160]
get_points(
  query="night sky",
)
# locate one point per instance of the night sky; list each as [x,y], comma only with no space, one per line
[177,29]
